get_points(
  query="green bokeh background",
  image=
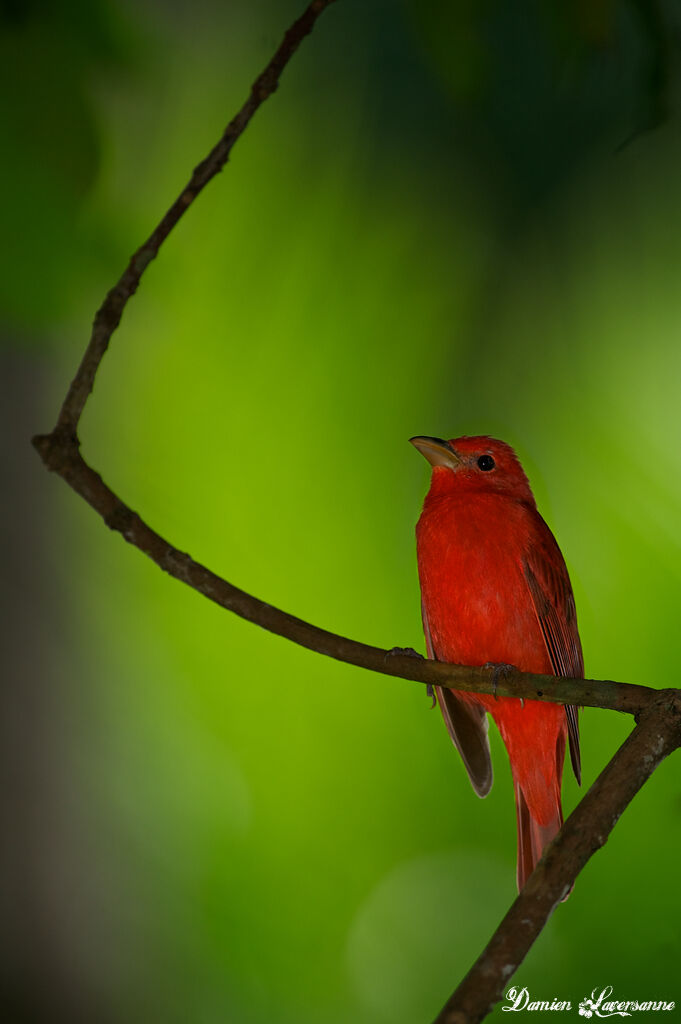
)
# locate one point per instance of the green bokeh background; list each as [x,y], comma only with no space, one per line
[450,219]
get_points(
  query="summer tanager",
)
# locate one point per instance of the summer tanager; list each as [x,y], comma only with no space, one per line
[495,590]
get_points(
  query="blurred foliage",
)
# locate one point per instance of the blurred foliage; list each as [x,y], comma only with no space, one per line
[433,227]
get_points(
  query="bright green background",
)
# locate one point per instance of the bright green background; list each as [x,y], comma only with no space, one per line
[433,227]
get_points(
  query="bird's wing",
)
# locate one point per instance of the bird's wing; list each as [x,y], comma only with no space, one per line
[549,585]
[467,725]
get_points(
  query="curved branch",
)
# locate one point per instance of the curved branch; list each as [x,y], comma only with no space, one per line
[586,830]
[61,454]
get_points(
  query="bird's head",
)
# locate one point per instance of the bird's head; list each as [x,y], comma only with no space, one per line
[474,464]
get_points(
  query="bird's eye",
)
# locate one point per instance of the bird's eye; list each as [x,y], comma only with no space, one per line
[485,463]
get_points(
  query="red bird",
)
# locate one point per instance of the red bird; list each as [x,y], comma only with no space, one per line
[495,590]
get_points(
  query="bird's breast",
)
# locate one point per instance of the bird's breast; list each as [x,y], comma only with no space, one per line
[475,596]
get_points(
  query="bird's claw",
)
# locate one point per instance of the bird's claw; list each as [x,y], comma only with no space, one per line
[499,671]
[411,653]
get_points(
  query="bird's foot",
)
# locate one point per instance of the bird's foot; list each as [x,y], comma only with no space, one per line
[411,653]
[500,670]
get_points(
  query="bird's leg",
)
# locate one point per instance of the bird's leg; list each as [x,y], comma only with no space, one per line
[411,653]
[499,671]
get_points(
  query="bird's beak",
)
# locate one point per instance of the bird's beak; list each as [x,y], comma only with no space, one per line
[437,451]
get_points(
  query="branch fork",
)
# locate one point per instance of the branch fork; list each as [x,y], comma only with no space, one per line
[657,712]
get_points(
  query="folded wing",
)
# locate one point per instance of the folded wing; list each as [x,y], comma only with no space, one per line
[549,585]
[467,726]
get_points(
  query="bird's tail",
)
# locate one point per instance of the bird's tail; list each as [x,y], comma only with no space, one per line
[533,837]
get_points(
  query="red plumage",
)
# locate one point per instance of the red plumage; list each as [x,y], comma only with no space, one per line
[495,589]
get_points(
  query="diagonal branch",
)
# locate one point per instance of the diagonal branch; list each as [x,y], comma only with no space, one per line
[109,314]
[657,734]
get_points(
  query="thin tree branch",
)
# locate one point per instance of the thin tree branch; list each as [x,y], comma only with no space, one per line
[657,734]
[61,454]
[109,314]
